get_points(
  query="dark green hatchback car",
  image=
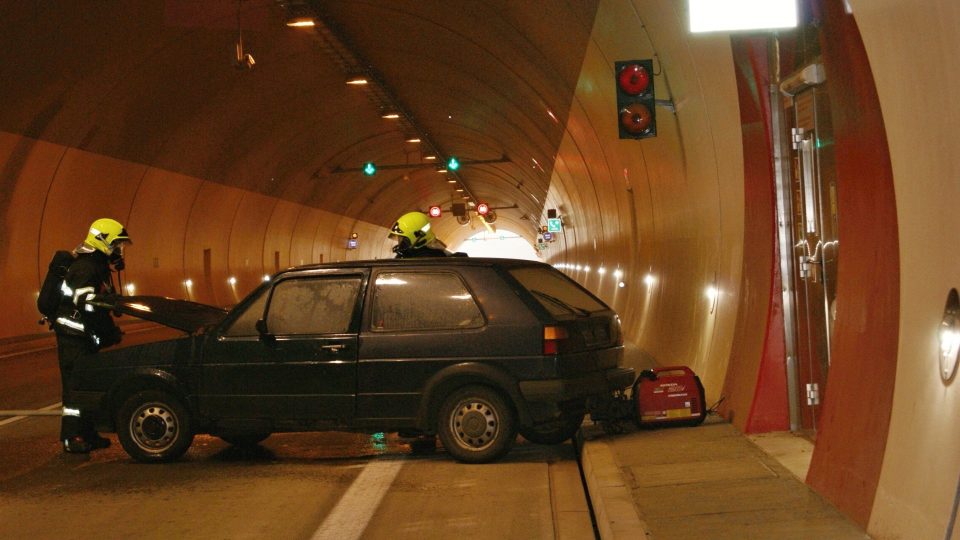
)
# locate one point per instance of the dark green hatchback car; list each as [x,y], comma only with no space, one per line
[472,350]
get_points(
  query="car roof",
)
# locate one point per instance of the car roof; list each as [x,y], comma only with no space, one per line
[418,261]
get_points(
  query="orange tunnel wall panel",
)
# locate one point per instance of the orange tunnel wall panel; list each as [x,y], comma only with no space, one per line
[247,241]
[29,167]
[158,225]
[303,248]
[207,243]
[56,192]
[276,244]
[852,435]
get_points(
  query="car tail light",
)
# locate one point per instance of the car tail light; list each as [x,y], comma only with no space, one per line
[553,337]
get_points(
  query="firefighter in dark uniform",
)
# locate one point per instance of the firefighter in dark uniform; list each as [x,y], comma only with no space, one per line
[83,328]
[415,239]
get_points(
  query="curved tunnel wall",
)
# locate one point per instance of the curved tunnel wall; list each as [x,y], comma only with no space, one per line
[675,206]
[670,207]
[909,48]
[182,227]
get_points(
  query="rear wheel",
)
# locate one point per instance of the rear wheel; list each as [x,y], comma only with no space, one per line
[553,432]
[476,425]
[154,426]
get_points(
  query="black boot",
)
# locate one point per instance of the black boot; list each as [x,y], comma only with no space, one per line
[76,445]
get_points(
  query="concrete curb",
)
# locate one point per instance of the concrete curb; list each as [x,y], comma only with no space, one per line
[613,507]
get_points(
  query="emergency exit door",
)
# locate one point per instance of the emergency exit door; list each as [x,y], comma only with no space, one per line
[815,246]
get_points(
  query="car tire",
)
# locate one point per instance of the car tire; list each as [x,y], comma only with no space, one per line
[476,425]
[553,432]
[154,427]
[244,440]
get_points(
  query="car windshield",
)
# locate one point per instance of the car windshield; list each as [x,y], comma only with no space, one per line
[557,293]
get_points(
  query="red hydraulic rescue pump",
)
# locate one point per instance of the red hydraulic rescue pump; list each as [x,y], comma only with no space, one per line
[667,396]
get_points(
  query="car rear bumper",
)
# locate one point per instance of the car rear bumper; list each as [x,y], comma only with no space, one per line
[593,384]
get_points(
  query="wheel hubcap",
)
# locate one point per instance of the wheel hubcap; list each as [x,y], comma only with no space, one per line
[475,424]
[154,427]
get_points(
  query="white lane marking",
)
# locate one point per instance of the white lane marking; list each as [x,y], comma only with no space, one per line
[349,518]
[46,411]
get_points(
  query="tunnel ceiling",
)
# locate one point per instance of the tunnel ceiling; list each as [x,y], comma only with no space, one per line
[156,83]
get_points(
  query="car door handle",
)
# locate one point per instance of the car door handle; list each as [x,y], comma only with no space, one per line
[333,348]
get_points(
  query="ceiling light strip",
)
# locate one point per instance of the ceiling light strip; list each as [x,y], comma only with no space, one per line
[335,44]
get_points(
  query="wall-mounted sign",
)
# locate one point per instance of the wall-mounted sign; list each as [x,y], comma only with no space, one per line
[554,225]
[548,237]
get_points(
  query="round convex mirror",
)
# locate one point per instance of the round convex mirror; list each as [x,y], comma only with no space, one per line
[949,336]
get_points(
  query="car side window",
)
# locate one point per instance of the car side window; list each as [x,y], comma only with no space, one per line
[245,323]
[422,301]
[322,305]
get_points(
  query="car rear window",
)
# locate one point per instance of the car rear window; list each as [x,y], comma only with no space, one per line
[422,301]
[557,293]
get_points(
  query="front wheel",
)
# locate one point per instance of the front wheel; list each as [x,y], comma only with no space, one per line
[476,425]
[154,426]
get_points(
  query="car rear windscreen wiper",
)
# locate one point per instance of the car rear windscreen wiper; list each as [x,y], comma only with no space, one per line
[572,309]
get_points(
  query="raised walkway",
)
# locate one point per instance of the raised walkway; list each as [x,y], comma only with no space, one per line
[705,482]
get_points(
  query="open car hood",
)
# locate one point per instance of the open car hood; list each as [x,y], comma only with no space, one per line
[180,314]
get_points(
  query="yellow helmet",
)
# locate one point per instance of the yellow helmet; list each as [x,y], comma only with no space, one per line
[105,235]
[413,228]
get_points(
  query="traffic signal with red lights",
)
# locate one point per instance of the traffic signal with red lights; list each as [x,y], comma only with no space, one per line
[483,208]
[636,111]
